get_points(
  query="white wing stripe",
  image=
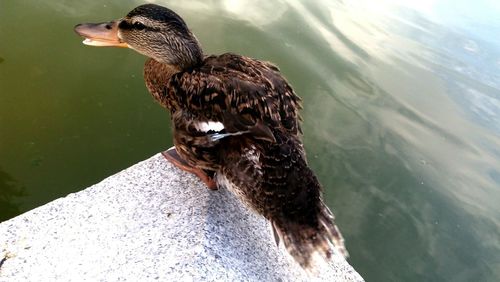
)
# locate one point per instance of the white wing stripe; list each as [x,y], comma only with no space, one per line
[205,126]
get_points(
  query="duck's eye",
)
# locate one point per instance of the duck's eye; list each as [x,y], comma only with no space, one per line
[139,26]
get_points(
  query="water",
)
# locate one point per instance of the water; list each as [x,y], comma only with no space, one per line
[402,115]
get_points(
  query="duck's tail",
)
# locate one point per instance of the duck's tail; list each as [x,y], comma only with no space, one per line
[311,245]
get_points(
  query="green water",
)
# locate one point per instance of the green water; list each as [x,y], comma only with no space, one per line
[401,110]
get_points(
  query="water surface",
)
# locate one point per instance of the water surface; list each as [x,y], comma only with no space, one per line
[401,115]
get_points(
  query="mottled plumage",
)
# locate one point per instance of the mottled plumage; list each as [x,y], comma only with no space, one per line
[242,93]
[237,119]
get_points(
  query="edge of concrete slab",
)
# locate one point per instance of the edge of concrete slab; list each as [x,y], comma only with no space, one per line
[149,222]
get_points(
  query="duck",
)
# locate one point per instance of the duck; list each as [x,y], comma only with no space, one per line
[236,124]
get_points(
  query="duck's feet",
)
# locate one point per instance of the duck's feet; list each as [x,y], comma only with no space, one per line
[172,156]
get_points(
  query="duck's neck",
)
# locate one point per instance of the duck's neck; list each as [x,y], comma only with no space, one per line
[157,76]
[181,50]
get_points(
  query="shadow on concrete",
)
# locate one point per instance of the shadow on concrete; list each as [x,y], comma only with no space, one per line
[235,226]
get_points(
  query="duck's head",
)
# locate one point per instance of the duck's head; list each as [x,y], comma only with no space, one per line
[151,30]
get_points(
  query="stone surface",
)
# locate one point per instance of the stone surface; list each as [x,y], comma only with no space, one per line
[149,222]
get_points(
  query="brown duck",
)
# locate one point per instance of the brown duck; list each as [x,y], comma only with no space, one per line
[235,122]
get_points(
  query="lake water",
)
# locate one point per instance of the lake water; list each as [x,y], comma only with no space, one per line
[401,115]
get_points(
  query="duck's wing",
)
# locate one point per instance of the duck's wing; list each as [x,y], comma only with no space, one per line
[244,95]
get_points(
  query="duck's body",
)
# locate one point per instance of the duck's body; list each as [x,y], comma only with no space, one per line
[236,118]
[226,94]
[237,93]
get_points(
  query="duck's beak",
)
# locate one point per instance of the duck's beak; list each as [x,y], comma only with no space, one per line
[100,34]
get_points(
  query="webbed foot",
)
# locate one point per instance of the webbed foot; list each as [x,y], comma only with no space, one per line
[172,156]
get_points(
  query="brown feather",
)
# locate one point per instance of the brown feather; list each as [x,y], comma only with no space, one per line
[265,166]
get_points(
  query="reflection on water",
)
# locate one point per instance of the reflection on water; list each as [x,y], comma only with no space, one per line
[424,166]
[401,109]
[10,193]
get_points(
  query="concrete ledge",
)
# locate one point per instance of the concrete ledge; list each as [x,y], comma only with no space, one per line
[148,222]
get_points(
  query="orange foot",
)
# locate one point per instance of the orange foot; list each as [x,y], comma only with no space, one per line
[172,156]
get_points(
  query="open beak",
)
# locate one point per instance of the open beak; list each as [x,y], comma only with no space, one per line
[100,34]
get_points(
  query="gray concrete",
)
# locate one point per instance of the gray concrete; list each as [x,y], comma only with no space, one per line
[148,222]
